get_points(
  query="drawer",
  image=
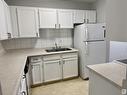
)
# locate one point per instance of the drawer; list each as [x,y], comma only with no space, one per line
[51,57]
[70,55]
[35,59]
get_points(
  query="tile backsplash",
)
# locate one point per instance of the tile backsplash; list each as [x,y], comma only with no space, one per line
[48,37]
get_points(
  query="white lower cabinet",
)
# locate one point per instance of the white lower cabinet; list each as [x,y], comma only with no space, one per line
[37,73]
[54,67]
[70,67]
[52,70]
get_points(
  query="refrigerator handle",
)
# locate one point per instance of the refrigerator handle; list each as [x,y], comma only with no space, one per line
[87,34]
[86,48]
[104,33]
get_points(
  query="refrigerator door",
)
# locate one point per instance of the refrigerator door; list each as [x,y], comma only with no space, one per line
[90,52]
[94,32]
[94,54]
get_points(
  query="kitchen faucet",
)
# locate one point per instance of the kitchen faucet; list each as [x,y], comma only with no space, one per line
[56,46]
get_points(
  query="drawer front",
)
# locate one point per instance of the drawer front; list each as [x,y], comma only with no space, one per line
[70,55]
[51,57]
[35,59]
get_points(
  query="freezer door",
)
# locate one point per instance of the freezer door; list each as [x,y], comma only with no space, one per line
[94,32]
[95,53]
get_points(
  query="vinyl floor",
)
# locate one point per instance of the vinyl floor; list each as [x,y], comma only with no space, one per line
[70,87]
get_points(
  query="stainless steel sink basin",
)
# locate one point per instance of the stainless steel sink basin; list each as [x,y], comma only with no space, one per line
[58,49]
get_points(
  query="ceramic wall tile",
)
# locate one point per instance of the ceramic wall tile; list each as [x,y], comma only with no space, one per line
[48,38]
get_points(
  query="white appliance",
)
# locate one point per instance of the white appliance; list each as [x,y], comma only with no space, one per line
[89,39]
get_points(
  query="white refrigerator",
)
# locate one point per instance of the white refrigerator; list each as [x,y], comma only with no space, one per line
[89,39]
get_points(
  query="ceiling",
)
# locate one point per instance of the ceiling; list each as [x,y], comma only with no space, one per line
[83,0]
[89,1]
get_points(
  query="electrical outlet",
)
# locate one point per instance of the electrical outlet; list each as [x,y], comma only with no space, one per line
[124,91]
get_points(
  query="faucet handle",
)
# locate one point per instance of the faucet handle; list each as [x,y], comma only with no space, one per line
[56,45]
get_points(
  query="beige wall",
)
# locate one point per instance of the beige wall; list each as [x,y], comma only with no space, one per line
[116,19]
[100,6]
[51,4]
[114,13]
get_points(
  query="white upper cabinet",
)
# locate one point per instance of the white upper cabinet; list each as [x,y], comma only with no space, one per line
[79,16]
[14,22]
[54,18]
[8,20]
[65,18]
[3,23]
[48,18]
[27,22]
[84,16]
[90,16]
[24,22]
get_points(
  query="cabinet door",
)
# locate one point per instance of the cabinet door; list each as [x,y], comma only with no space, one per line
[14,21]
[47,18]
[79,16]
[27,22]
[52,71]
[91,16]
[65,18]
[8,20]
[37,73]
[70,67]
[3,25]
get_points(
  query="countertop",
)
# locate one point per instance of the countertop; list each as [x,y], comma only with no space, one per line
[12,64]
[114,72]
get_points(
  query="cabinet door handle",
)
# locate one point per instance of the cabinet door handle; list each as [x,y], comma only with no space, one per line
[59,26]
[37,34]
[9,35]
[84,20]
[59,62]
[63,61]
[55,25]
[87,20]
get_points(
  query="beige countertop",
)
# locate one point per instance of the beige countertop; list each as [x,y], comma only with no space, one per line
[12,64]
[114,72]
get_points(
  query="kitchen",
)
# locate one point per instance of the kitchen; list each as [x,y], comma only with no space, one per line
[41,35]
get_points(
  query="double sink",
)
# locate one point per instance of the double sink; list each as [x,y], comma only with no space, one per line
[57,49]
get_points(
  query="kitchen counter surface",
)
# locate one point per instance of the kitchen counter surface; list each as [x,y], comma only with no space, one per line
[12,64]
[114,72]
